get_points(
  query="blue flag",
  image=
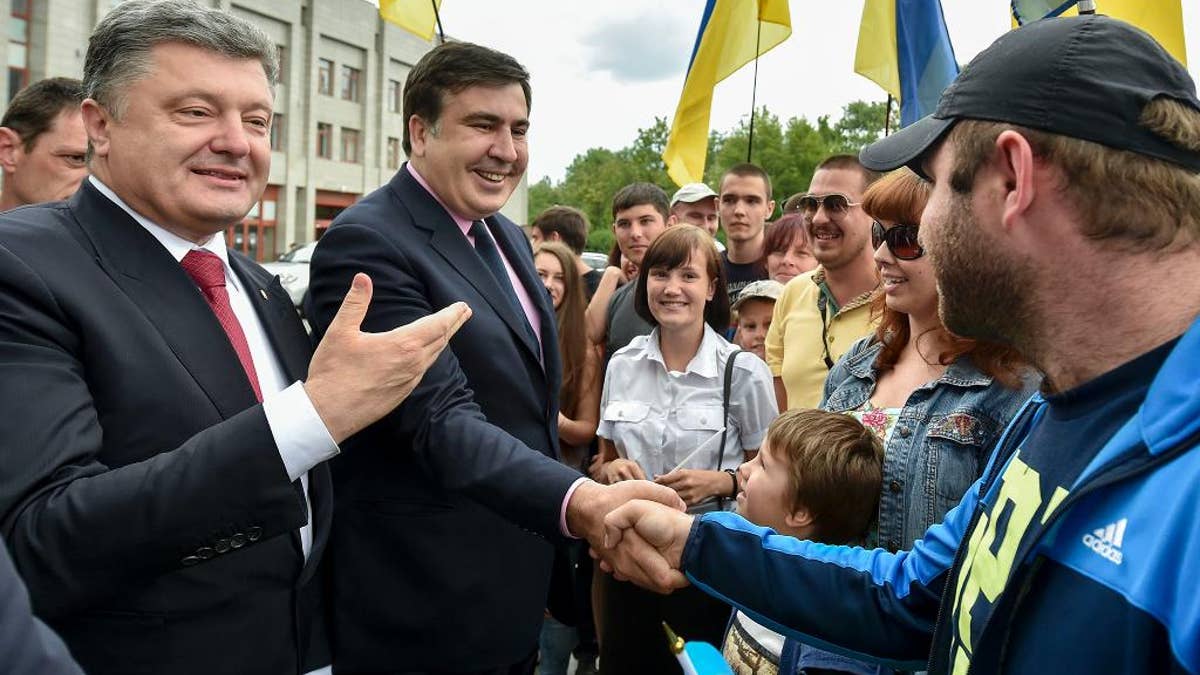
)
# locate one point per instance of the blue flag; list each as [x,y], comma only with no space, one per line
[904,47]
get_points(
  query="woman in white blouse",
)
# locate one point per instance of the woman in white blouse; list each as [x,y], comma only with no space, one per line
[662,418]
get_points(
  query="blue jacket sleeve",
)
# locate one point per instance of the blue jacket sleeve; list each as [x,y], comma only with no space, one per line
[869,605]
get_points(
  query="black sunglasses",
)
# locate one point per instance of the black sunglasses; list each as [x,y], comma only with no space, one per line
[835,204]
[901,240]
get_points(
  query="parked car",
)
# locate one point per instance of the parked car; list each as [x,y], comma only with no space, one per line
[597,261]
[292,268]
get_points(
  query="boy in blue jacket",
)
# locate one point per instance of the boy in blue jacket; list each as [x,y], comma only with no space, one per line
[1065,221]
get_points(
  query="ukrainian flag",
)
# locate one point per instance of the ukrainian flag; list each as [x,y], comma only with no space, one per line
[415,16]
[904,47]
[732,34]
[1162,19]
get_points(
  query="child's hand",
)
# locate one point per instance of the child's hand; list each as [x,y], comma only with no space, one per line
[695,485]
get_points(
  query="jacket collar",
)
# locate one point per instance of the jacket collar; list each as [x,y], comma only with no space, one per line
[447,239]
[961,373]
[153,279]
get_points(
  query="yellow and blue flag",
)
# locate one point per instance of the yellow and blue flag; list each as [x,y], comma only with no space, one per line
[418,17]
[904,47]
[1162,19]
[732,34]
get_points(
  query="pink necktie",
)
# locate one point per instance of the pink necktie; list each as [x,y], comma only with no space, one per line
[207,270]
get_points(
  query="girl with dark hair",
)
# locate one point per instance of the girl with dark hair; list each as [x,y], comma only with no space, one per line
[579,395]
[663,417]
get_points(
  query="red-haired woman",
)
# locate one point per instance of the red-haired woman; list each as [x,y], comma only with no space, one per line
[938,401]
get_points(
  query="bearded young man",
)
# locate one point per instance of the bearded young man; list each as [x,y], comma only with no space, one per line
[1074,139]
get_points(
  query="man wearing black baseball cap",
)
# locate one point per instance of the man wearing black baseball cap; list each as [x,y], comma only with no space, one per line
[1064,220]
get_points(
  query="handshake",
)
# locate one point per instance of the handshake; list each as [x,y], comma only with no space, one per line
[636,528]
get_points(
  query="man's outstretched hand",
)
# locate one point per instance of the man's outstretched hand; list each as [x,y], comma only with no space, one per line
[588,515]
[355,378]
[644,543]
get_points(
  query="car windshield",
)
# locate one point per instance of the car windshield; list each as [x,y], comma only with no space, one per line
[300,255]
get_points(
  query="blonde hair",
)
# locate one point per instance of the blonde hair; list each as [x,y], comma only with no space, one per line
[1131,201]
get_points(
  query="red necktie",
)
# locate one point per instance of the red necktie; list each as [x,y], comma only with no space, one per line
[207,270]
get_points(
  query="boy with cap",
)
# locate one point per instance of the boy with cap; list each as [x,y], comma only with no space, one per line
[1069,139]
[753,311]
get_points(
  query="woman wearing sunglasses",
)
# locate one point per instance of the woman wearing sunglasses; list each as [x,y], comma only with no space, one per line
[938,401]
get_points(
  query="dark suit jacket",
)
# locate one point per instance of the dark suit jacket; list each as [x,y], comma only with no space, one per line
[141,491]
[28,646]
[435,564]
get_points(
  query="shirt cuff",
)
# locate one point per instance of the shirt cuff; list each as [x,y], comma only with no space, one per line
[562,513]
[300,435]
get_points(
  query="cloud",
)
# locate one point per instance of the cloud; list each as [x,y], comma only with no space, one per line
[641,48]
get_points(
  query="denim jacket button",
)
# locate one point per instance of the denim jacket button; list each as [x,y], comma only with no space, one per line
[904,432]
[895,486]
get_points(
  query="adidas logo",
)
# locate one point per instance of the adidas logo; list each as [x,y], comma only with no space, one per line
[1106,541]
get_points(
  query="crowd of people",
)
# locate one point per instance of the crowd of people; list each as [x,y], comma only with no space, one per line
[937,412]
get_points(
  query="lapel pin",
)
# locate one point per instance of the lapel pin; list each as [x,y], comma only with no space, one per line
[264,293]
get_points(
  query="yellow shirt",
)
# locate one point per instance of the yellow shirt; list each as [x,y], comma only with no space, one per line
[795,349]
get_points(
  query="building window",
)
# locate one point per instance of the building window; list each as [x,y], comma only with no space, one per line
[18,47]
[278,140]
[281,58]
[325,77]
[350,145]
[329,205]
[255,235]
[324,140]
[393,153]
[393,96]
[350,80]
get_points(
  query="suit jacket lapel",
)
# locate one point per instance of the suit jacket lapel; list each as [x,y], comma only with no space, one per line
[449,242]
[516,249]
[277,314]
[157,284]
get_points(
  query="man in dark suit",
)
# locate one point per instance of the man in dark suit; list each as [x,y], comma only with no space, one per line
[436,560]
[161,484]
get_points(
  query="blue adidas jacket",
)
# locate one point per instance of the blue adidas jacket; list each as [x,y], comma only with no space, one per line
[1109,583]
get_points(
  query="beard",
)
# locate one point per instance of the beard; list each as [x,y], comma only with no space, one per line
[982,293]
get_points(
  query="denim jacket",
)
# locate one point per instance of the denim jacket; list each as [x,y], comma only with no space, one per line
[940,443]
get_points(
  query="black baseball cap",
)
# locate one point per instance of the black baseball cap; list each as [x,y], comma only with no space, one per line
[1086,77]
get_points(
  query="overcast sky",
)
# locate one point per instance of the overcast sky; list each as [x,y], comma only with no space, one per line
[601,70]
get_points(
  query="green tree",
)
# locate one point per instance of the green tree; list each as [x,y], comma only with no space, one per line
[789,151]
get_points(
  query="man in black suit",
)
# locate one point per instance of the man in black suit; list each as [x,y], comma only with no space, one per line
[161,484]
[439,559]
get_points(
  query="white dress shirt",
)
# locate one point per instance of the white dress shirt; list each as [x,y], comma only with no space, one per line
[300,435]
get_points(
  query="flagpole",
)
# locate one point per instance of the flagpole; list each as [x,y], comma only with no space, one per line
[438,17]
[754,93]
[887,116]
